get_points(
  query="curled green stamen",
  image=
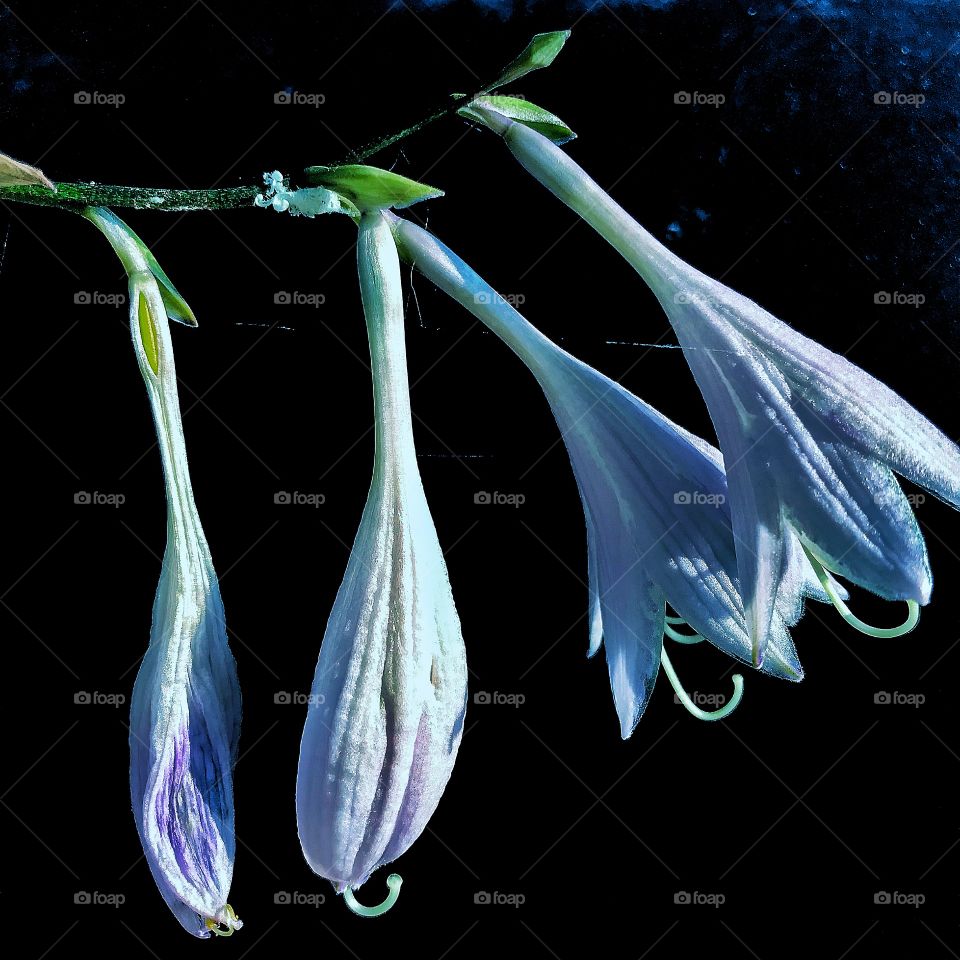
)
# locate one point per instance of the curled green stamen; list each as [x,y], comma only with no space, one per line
[393,882]
[681,637]
[684,697]
[913,608]
[676,621]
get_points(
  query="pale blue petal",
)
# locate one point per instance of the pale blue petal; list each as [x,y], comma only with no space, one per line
[748,425]
[854,517]
[856,405]
[640,477]
[781,659]
[789,440]
[633,611]
[184,730]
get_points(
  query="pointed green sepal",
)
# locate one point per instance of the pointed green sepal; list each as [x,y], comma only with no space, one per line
[522,111]
[371,188]
[135,255]
[540,52]
[177,308]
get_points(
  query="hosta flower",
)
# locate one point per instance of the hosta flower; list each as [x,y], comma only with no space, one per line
[185,709]
[810,441]
[389,694]
[655,500]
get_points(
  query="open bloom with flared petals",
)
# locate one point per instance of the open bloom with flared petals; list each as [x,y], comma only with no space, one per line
[655,500]
[810,441]
[185,709]
[389,694]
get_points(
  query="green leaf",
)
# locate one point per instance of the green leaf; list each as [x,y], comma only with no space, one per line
[371,188]
[14,173]
[540,52]
[522,111]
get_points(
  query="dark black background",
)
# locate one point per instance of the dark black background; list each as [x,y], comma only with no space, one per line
[801,807]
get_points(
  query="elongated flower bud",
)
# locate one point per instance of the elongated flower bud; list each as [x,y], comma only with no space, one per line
[185,709]
[389,694]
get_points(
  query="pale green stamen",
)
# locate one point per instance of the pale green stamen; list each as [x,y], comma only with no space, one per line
[678,636]
[913,608]
[684,697]
[393,882]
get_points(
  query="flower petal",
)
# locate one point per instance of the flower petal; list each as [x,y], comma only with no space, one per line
[871,416]
[746,411]
[185,790]
[851,513]
[633,612]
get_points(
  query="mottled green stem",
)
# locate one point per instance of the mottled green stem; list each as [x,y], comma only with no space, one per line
[76,196]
